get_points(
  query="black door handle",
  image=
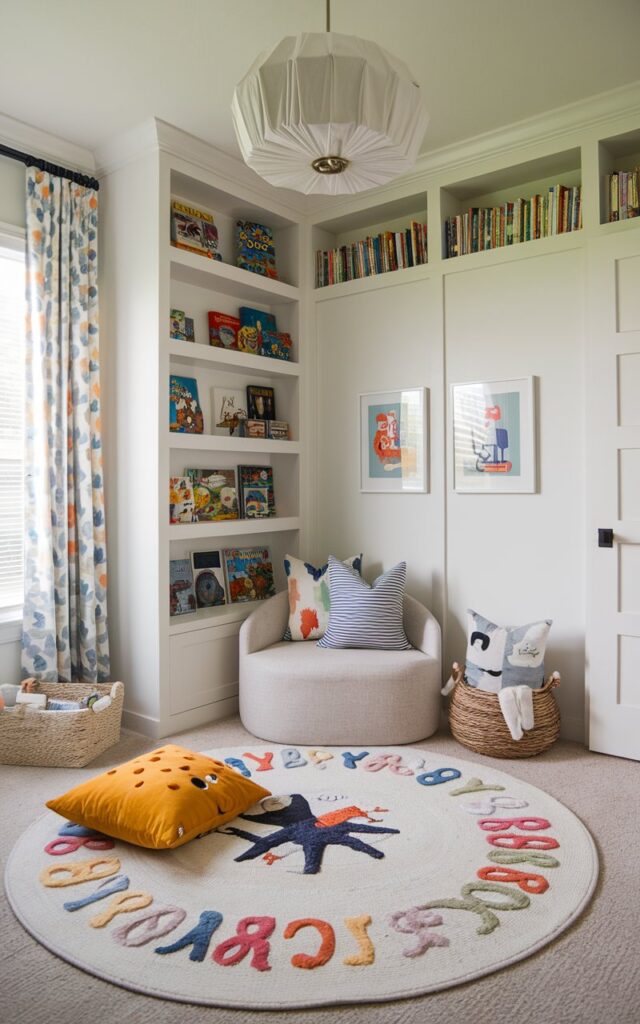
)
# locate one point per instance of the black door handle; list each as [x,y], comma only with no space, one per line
[605,538]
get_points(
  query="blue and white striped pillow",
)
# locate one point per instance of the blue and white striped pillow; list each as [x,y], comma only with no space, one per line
[363,615]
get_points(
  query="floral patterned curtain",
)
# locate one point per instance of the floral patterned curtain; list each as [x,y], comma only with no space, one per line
[65,604]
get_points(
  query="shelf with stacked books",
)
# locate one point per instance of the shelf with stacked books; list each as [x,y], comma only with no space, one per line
[619,167]
[377,240]
[527,202]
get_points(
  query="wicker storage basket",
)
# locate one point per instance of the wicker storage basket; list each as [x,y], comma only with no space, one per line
[61,739]
[476,720]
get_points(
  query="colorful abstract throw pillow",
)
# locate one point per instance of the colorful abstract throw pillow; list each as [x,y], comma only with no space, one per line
[363,615]
[499,656]
[309,599]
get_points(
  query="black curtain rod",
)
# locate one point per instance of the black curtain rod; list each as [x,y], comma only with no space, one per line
[44,165]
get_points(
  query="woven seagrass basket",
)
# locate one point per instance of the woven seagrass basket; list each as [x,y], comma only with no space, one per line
[476,720]
[61,739]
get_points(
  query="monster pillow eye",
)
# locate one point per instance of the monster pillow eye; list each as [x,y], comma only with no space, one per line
[211,778]
[199,783]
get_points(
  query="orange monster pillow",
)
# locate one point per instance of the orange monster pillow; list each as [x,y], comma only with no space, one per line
[161,799]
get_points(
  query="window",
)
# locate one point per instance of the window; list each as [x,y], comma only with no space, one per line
[12,314]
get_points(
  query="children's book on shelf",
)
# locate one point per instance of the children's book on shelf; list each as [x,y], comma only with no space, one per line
[177,329]
[255,486]
[249,573]
[185,414]
[189,329]
[214,494]
[259,321]
[223,330]
[261,403]
[255,248]
[249,340]
[278,430]
[181,500]
[255,428]
[276,345]
[194,230]
[182,598]
[208,579]
[229,410]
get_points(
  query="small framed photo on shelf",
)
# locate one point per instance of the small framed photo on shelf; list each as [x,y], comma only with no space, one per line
[393,441]
[185,414]
[208,579]
[494,437]
[261,403]
[229,407]
[182,598]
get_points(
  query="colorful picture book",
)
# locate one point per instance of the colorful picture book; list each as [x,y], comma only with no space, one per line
[208,579]
[229,409]
[261,402]
[194,230]
[185,414]
[258,321]
[181,500]
[177,330]
[276,345]
[182,598]
[214,494]
[223,330]
[249,573]
[255,487]
[255,248]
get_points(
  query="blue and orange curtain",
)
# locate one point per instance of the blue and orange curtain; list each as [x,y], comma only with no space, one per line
[65,605]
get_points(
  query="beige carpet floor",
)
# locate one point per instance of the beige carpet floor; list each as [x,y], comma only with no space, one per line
[590,974]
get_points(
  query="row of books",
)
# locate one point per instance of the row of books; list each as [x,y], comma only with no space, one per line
[623,188]
[253,330]
[552,213]
[391,250]
[249,412]
[209,579]
[213,495]
[194,229]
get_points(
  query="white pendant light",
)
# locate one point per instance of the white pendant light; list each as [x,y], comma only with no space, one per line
[328,114]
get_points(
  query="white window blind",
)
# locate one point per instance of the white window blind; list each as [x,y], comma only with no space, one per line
[12,311]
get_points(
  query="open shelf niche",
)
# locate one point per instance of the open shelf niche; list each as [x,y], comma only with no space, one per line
[617,153]
[493,190]
[341,235]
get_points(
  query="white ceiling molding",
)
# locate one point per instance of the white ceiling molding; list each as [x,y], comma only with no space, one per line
[617,105]
[37,143]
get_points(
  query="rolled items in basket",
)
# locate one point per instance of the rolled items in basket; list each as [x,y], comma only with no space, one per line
[516,704]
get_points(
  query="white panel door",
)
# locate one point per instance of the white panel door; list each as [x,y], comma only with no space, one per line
[613,495]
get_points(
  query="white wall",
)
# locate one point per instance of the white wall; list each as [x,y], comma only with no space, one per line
[379,341]
[518,558]
[514,558]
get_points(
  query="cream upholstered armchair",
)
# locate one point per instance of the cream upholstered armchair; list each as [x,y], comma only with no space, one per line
[299,693]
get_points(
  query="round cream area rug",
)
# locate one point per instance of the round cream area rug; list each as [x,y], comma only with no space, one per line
[368,875]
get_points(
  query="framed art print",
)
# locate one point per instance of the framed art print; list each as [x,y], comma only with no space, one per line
[393,441]
[494,437]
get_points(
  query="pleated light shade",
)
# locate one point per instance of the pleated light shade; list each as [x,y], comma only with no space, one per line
[323,94]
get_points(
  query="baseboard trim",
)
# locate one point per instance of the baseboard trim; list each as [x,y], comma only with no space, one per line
[141,723]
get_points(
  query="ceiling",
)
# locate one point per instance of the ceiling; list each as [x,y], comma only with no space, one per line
[86,71]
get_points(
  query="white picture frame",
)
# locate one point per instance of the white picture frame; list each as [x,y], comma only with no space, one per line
[394,441]
[493,427]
